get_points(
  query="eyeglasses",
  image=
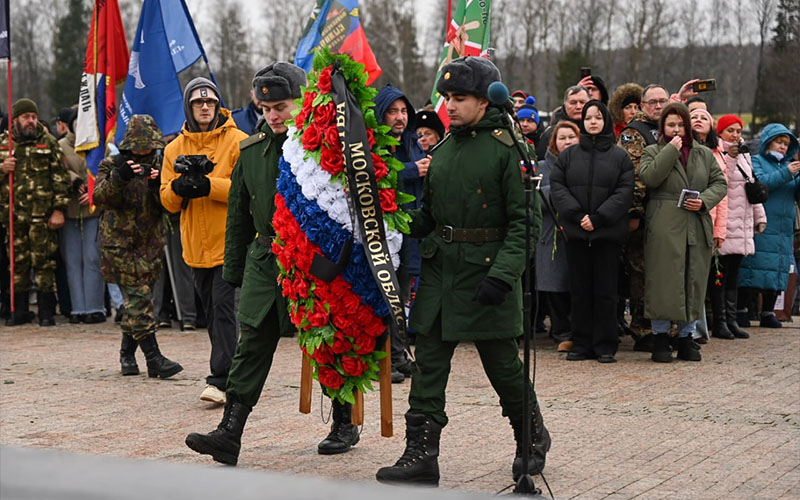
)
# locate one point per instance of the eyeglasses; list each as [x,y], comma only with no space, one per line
[654,102]
[199,103]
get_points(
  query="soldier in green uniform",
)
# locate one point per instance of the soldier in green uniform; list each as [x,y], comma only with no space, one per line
[641,132]
[250,263]
[132,239]
[41,196]
[473,213]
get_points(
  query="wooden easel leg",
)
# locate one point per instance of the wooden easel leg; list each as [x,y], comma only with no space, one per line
[385,381]
[357,414]
[305,385]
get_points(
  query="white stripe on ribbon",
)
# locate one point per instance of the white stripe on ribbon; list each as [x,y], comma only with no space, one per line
[316,185]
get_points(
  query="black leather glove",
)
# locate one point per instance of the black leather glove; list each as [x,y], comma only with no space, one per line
[491,291]
[125,171]
[154,183]
[189,188]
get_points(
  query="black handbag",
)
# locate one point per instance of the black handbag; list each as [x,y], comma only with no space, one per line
[756,191]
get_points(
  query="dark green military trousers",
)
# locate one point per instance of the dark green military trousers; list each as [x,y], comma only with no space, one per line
[253,359]
[500,359]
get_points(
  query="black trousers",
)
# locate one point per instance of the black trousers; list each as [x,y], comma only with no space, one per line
[217,297]
[559,304]
[593,271]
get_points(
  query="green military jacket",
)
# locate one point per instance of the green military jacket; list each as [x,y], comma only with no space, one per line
[41,182]
[474,181]
[132,231]
[249,260]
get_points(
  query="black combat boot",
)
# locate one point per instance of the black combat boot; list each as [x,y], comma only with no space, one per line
[420,461]
[21,313]
[719,328]
[539,446]
[343,435]
[731,297]
[662,352]
[643,343]
[157,364]
[127,355]
[47,308]
[224,442]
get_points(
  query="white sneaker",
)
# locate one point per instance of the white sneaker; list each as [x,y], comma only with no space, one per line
[212,394]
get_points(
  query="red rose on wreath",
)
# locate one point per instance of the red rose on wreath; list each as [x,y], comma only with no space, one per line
[298,313]
[312,137]
[308,100]
[381,170]
[353,366]
[330,378]
[340,344]
[301,286]
[324,114]
[342,322]
[323,356]
[371,138]
[387,197]
[375,328]
[332,138]
[300,119]
[319,317]
[331,161]
[364,344]
[324,82]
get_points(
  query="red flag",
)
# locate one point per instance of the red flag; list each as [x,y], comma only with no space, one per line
[105,66]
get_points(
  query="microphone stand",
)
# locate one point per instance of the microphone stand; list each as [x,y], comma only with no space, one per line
[525,484]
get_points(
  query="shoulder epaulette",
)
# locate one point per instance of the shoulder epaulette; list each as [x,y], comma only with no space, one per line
[503,136]
[253,139]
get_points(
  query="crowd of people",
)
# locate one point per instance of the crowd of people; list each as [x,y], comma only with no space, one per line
[649,205]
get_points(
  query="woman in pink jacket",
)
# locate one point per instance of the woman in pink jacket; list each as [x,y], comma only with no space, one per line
[744,220]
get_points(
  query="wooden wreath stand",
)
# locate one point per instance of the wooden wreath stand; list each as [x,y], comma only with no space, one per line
[385,389]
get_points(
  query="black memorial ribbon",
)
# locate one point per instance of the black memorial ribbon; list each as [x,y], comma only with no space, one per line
[363,196]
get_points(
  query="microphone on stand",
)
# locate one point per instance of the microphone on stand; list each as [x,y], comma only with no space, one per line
[497,93]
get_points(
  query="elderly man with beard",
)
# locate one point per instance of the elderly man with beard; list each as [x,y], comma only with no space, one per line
[41,195]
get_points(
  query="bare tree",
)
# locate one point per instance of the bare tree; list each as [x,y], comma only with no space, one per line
[230,54]
[765,15]
[644,23]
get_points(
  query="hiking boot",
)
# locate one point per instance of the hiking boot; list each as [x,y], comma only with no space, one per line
[420,461]
[157,364]
[538,447]
[224,442]
[127,356]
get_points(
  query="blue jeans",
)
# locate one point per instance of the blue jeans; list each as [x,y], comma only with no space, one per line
[81,255]
[685,328]
[115,294]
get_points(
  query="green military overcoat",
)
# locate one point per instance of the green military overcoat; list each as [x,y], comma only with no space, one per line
[474,181]
[249,260]
[678,242]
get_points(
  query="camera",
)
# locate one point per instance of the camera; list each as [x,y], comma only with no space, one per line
[743,149]
[705,85]
[194,165]
[153,161]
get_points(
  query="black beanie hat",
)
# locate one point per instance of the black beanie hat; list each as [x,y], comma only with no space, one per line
[431,120]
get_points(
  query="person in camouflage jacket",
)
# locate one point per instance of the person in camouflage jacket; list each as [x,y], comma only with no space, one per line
[132,239]
[41,196]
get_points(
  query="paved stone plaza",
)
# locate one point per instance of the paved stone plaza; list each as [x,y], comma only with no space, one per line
[727,427]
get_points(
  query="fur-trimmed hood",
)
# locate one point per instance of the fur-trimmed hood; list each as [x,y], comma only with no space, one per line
[620,94]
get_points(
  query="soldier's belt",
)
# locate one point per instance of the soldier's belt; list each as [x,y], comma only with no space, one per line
[264,240]
[450,234]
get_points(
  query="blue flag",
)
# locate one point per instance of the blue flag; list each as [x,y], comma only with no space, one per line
[166,43]
[5,39]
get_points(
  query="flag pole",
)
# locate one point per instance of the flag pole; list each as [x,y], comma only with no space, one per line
[10,195]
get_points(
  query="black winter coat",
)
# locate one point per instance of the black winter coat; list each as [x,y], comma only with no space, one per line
[594,177]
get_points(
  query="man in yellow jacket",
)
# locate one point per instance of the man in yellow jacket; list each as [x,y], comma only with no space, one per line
[202,200]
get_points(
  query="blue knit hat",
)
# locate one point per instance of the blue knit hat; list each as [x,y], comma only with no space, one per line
[528,110]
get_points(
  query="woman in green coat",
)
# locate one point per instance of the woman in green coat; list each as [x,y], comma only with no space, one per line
[679,239]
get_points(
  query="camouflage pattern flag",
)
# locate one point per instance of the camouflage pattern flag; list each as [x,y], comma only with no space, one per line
[467,34]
